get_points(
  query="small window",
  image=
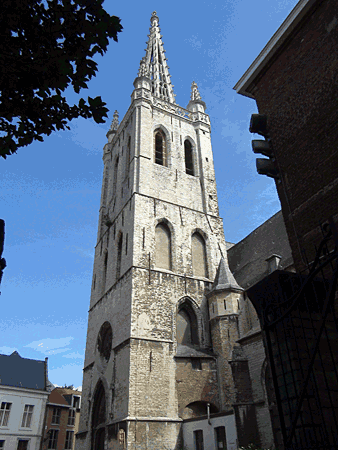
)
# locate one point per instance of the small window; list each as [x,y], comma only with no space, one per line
[76,402]
[27,416]
[69,439]
[198,440]
[196,364]
[199,260]
[220,438]
[22,444]
[160,148]
[56,416]
[163,246]
[189,166]
[4,413]
[225,304]
[2,445]
[71,417]
[53,439]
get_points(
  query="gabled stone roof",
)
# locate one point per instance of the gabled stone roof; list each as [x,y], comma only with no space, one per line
[22,372]
[224,279]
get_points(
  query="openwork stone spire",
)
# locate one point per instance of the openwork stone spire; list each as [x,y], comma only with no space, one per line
[154,64]
[115,122]
[195,95]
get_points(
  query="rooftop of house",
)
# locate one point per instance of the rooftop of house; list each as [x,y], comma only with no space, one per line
[62,396]
[22,372]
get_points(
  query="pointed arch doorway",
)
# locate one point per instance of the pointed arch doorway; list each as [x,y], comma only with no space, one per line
[99,418]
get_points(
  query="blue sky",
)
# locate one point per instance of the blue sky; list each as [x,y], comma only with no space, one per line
[51,190]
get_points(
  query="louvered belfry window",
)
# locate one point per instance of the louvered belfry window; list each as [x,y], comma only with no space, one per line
[160,148]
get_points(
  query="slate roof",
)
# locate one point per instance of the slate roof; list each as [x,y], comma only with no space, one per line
[22,372]
[247,258]
[224,279]
[185,351]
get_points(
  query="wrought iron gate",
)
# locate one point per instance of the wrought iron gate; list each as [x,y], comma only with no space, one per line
[298,315]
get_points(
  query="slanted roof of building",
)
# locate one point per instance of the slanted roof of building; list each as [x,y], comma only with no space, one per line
[272,47]
[62,396]
[224,279]
[247,259]
[22,372]
[56,398]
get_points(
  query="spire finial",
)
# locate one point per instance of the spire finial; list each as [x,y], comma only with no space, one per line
[154,16]
[195,95]
[154,65]
[115,122]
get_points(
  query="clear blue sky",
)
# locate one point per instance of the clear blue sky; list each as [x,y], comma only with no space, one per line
[51,190]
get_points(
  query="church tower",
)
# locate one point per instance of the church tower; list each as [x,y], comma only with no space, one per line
[149,360]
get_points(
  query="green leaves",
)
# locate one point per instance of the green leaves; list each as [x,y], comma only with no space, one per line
[46,46]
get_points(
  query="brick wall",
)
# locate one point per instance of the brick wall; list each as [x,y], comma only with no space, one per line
[298,93]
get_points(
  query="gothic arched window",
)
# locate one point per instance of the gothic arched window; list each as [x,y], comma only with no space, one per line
[199,256]
[128,155]
[163,246]
[119,256]
[189,166]
[105,266]
[116,170]
[104,340]
[160,148]
[186,326]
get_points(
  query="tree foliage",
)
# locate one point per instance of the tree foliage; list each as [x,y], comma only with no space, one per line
[47,45]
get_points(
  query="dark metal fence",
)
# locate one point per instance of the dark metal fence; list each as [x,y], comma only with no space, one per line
[298,315]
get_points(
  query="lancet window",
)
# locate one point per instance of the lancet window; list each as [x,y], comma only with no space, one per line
[116,171]
[163,246]
[119,256]
[186,326]
[189,165]
[199,256]
[160,148]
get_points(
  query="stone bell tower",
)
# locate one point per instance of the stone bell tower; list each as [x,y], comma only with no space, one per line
[149,361]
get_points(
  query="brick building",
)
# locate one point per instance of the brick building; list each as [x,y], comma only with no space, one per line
[172,340]
[294,83]
[62,419]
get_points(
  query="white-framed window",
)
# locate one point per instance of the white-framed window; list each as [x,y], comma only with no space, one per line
[5,409]
[69,439]
[53,439]
[27,416]
[76,401]
[56,416]
[71,417]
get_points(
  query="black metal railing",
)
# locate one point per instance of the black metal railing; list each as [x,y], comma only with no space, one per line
[298,314]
